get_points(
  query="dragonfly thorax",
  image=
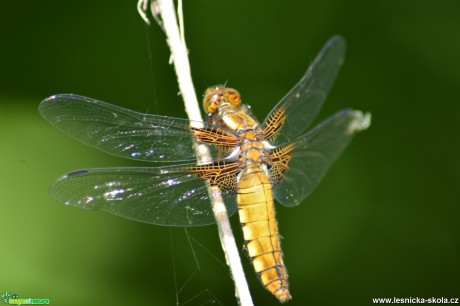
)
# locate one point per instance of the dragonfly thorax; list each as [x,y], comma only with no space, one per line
[253,154]
[252,151]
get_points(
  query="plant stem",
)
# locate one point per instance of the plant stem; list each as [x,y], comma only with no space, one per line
[176,43]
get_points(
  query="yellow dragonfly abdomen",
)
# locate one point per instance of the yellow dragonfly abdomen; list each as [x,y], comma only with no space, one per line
[260,231]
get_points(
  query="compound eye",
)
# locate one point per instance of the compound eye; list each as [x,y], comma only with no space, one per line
[233,97]
[210,105]
[211,98]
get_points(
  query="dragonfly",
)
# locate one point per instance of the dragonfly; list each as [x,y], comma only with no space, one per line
[252,163]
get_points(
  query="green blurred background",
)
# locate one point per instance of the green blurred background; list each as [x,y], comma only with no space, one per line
[383,223]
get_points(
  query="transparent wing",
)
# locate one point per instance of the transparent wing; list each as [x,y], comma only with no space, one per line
[164,196]
[296,111]
[123,132]
[315,152]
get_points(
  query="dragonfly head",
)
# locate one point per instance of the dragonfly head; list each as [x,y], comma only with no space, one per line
[216,95]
